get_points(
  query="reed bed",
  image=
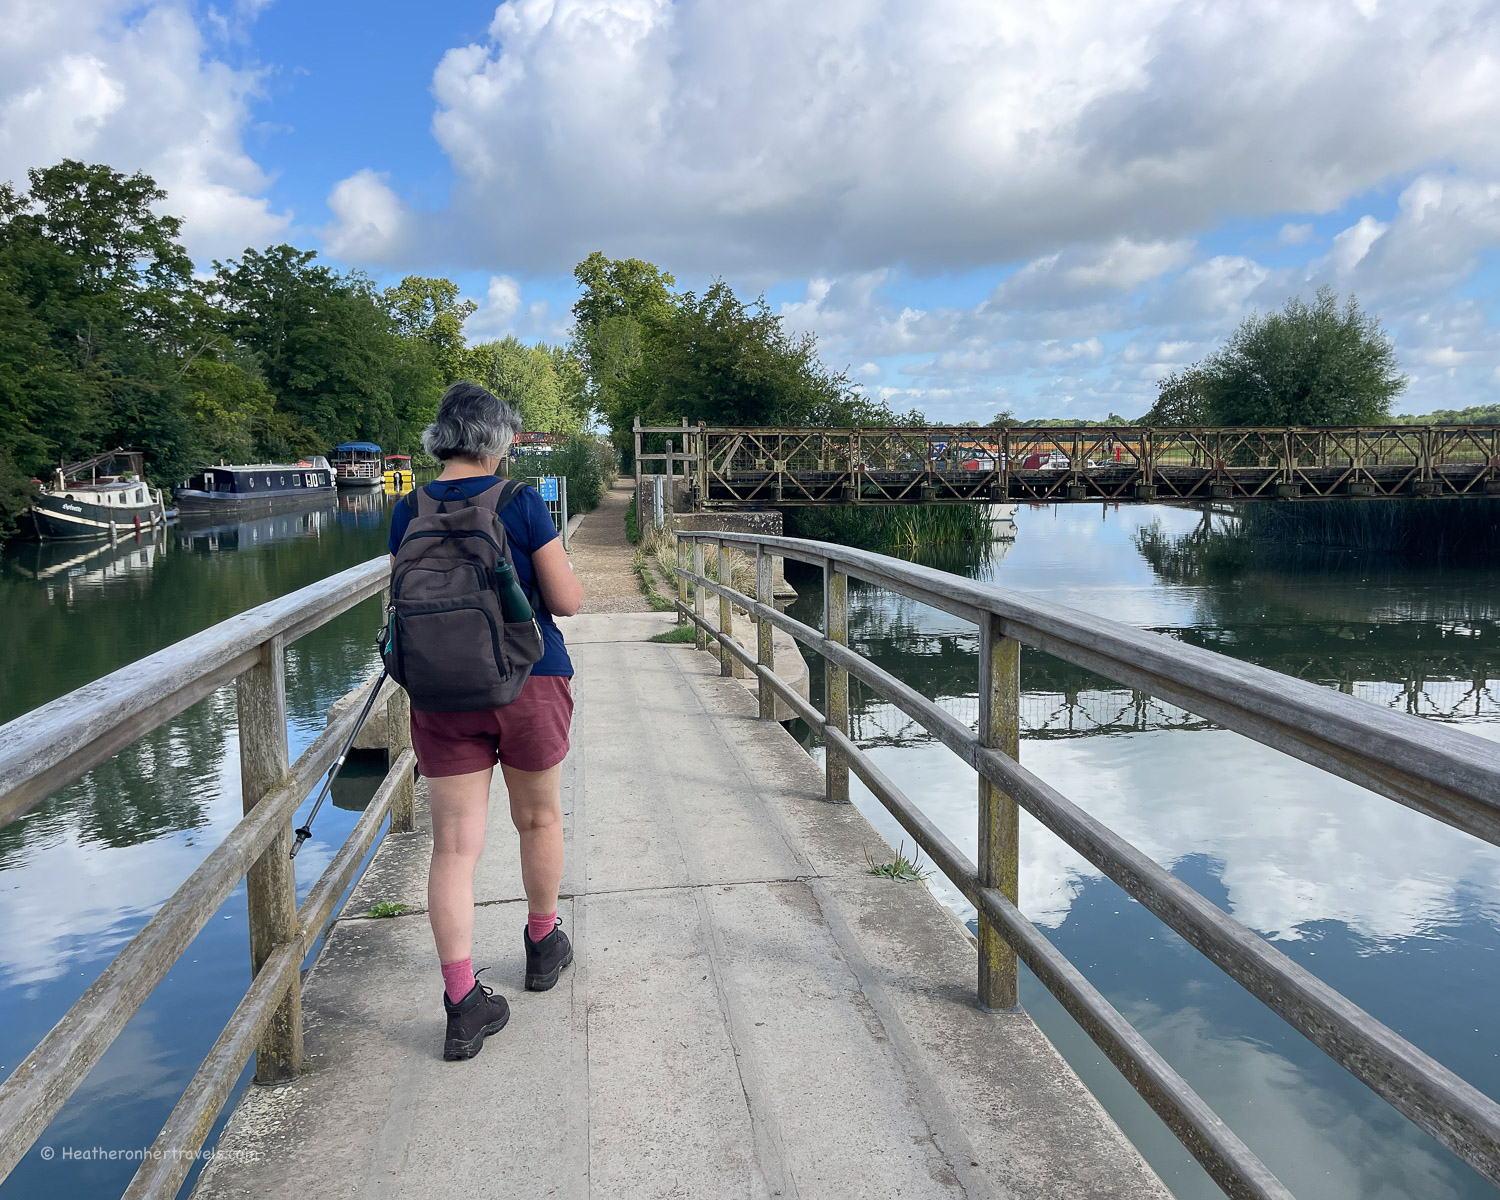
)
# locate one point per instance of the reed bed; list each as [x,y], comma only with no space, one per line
[882,527]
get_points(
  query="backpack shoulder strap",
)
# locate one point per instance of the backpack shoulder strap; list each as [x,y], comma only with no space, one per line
[509,490]
[497,495]
[423,503]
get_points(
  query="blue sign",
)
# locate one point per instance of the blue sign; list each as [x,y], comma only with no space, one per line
[547,485]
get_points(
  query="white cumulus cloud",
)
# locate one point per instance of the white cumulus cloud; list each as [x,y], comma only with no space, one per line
[138,87]
[796,138]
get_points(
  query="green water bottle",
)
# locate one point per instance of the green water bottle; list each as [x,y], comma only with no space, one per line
[513,603]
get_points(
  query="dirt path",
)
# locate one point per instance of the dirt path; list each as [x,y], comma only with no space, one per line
[602,557]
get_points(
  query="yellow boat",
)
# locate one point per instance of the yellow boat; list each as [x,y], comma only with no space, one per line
[398,474]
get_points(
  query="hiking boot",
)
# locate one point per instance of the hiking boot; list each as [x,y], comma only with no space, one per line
[473,1019]
[544,959]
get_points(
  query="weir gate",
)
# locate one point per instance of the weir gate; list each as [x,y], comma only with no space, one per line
[769,467]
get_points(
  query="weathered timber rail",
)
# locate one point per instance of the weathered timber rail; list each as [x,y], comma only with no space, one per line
[51,746]
[745,467]
[1451,776]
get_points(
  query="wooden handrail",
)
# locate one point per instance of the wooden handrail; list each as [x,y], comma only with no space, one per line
[55,744]
[51,746]
[1444,773]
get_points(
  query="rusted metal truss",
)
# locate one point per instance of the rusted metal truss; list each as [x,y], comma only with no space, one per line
[748,467]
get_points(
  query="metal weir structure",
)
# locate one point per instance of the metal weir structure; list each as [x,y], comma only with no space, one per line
[769,467]
[1444,773]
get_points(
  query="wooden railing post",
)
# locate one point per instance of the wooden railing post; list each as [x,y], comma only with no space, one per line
[726,614]
[999,817]
[682,582]
[398,740]
[765,648]
[700,634]
[270,884]
[835,681]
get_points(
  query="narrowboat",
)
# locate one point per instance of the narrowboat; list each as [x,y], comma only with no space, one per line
[398,475]
[357,464]
[256,486]
[103,496]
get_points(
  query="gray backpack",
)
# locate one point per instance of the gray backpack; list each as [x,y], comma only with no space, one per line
[446,640]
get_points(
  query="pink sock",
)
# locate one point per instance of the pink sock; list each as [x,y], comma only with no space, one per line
[539,925]
[458,979]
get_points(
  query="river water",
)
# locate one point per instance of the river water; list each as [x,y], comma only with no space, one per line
[1398,912]
[83,872]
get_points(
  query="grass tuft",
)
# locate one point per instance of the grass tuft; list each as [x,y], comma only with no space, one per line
[642,569]
[906,870]
[682,635]
[387,908]
[632,525]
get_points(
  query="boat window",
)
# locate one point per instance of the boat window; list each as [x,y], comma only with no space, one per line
[296,481]
[252,480]
[140,495]
[283,480]
[268,481]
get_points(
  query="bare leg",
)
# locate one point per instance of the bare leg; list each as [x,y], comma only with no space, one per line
[460,804]
[536,810]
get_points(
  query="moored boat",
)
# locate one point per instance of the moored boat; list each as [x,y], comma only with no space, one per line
[398,474]
[357,464]
[238,487]
[103,496]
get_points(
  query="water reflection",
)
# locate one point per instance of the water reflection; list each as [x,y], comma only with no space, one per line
[1398,911]
[83,872]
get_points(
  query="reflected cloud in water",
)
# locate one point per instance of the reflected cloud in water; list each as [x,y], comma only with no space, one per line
[1387,905]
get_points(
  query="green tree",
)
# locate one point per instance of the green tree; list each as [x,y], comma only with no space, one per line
[100,275]
[325,343]
[431,312]
[527,378]
[1309,364]
[1183,398]
[619,296]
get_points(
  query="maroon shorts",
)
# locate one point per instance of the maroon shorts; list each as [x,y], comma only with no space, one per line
[529,734]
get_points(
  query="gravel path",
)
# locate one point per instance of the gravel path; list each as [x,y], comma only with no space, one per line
[602,557]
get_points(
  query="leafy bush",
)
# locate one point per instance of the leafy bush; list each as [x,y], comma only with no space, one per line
[578,461]
[15,494]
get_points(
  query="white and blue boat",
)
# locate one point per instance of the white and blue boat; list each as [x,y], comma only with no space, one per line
[236,488]
[358,464]
[104,496]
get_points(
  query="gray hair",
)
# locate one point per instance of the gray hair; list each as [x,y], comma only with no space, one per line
[471,423]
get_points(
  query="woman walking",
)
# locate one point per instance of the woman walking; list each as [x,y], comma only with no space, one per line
[457,750]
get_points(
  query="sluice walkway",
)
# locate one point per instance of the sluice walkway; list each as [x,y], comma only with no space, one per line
[751,1013]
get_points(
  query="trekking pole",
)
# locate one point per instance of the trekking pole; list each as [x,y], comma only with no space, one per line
[305,830]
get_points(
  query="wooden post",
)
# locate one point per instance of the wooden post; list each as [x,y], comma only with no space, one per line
[726,614]
[398,740]
[682,581]
[835,682]
[700,635]
[270,884]
[999,818]
[765,648]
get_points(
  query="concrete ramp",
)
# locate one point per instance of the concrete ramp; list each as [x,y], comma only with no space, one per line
[751,1014]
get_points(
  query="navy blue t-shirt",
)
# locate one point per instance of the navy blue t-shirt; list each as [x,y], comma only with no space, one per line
[529,527]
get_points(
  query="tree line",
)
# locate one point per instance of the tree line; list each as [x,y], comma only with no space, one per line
[108,337]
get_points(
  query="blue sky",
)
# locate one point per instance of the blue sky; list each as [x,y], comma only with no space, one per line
[1040,205]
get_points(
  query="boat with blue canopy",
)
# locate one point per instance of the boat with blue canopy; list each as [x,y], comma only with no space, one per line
[358,464]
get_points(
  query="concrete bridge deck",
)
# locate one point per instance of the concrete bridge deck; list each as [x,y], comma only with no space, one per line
[751,1013]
